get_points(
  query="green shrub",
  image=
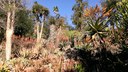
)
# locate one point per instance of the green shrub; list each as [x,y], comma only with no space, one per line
[79,68]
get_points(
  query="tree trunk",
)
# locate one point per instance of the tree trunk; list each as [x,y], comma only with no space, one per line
[39,36]
[9,32]
[42,25]
[39,32]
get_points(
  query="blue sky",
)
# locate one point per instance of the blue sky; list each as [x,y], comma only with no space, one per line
[65,6]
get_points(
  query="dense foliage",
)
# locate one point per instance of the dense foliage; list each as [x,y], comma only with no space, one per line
[77,17]
[24,24]
[97,43]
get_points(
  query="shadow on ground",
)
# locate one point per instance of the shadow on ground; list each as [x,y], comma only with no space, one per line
[103,61]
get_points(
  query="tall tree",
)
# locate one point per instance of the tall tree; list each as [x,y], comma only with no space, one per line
[9,7]
[40,12]
[77,17]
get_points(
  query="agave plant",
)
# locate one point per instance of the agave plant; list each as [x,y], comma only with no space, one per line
[97,23]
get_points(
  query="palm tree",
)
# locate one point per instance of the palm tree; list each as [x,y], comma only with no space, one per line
[39,12]
[56,11]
